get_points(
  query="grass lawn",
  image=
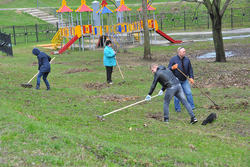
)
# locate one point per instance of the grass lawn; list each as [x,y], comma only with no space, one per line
[17,18]
[60,127]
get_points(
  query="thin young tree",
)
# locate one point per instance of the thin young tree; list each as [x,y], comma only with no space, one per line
[147,53]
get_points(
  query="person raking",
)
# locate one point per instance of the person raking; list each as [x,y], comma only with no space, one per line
[173,88]
[43,67]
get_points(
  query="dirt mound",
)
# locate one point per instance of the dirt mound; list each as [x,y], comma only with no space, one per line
[97,86]
[75,70]
[119,98]
[34,64]
[157,116]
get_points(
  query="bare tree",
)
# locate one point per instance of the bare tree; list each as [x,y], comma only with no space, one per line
[147,54]
[216,13]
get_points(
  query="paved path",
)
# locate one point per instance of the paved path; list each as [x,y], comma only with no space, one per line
[231,31]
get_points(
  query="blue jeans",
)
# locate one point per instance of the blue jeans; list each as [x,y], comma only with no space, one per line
[45,75]
[187,90]
[178,92]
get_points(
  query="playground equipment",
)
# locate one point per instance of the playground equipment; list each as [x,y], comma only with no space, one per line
[87,29]
[114,32]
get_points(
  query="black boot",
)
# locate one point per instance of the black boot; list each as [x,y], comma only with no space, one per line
[48,88]
[166,119]
[37,87]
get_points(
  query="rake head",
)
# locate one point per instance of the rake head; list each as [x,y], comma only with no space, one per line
[26,85]
[121,82]
[100,118]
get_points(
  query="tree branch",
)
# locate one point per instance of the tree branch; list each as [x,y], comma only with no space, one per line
[160,14]
[196,11]
[208,4]
[216,8]
[225,7]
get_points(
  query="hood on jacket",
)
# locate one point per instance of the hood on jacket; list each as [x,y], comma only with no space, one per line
[36,51]
[161,67]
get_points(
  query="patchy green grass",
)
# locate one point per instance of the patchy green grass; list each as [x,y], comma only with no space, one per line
[14,18]
[59,127]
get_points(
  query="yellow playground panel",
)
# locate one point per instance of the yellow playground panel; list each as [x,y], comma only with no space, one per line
[85,30]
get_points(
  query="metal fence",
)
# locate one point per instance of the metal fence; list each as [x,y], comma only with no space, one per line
[31,33]
[188,20]
[233,17]
[5,43]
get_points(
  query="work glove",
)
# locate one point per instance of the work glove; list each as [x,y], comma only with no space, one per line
[191,80]
[174,66]
[160,93]
[148,98]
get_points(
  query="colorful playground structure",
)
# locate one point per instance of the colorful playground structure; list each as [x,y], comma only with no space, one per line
[114,32]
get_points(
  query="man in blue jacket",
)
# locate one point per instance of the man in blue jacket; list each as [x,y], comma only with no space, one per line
[109,60]
[168,81]
[185,66]
[43,67]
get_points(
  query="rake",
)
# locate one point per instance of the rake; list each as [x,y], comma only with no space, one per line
[28,85]
[101,118]
[198,88]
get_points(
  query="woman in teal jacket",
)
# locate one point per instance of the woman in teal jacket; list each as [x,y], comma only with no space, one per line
[109,60]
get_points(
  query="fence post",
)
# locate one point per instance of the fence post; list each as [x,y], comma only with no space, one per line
[184,20]
[232,22]
[36,34]
[11,45]
[55,12]
[161,22]
[14,34]
[207,21]
[37,4]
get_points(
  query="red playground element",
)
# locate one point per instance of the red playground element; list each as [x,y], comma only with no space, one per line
[68,44]
[167,37]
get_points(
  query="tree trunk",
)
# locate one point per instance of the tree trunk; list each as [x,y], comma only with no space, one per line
[147,54]
[218,40]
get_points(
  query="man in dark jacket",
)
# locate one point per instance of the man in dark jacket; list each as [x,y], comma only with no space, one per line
[185,66]
[168,81]
[43,67]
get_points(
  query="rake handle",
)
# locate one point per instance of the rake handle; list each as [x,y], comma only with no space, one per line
[38,72]
[198,87]
[119,69]
[128,106]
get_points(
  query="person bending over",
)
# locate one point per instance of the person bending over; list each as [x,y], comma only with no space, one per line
[172,86]
[43,67]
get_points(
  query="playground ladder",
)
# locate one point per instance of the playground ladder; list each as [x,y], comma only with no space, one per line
[57,39]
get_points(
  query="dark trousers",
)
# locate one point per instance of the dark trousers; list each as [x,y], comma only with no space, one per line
[109,70]
[45,75]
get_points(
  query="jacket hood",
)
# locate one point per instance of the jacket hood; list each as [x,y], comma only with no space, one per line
[161,67]
[36,51]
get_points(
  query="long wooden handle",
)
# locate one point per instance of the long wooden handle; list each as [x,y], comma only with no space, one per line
[198,87]
[119,69]
[33,78]
[128,106]
[38,72]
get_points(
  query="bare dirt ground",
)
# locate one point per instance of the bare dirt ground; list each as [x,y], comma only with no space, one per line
[229,74]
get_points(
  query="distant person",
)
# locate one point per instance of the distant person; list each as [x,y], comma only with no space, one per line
[109,60]
[168,81]
[43,67]
[185,66]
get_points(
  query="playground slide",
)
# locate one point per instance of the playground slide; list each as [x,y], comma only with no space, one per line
[167,37]
[68,44]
